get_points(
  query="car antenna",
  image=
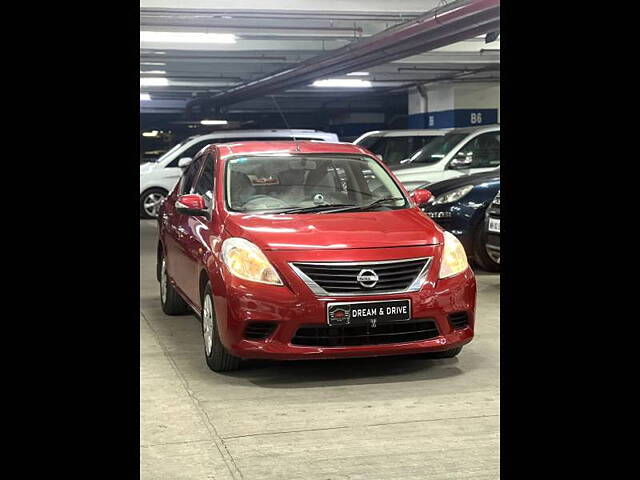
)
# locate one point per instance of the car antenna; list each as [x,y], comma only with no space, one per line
[285,122]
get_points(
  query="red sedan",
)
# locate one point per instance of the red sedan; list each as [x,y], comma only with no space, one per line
[303,250]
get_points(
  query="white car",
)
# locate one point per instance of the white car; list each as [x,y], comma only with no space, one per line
[158,178]
[392,146]
[462,151]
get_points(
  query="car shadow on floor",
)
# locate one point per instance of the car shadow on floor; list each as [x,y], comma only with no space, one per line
[353,371]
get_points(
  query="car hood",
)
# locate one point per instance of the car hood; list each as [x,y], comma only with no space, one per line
[451,184]
[380,229]
[147,167]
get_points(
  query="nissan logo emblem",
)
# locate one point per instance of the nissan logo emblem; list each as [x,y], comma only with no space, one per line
[367,278]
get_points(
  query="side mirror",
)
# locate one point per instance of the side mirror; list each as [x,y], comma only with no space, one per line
[421,197]
[193,205]
[184,162]
[461,161]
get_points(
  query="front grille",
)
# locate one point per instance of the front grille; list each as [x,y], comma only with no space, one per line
[459,320]
[341,278]
[494,208]
[354,335]
[259,330]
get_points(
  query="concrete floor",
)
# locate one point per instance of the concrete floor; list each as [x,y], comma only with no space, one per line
[382,418]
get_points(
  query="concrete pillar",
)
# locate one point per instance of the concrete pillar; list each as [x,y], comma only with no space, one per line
[455,105]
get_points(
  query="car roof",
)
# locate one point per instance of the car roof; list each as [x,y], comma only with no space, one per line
[266,133]
[408,133]
[281,147]
[488,128]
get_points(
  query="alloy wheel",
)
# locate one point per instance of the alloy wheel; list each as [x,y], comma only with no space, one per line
[207,325]
[163,282]
[151,203]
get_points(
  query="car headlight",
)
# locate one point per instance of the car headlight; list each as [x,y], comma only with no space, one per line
[453,195]
[454,258]
[246,261]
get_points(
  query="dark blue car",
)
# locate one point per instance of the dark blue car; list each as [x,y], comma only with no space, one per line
[459,205]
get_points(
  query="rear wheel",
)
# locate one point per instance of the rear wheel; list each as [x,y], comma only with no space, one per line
[217,357]
[172,303]
[150,202]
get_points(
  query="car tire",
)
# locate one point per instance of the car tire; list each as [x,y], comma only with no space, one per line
[216,355]
[480,255]
[171,301]
[150,202]
[444,354]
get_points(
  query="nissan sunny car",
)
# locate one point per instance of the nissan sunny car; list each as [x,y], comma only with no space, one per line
[305,250]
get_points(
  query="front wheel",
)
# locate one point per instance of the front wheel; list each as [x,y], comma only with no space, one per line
[171,302]
[150,202]
[217,357]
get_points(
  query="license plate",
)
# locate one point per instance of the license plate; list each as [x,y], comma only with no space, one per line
[368,313]
[494,225]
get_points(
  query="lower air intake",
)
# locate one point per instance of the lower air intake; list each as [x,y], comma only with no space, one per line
[348,336]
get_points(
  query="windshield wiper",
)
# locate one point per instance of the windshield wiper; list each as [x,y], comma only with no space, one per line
[363,208]
[316,208]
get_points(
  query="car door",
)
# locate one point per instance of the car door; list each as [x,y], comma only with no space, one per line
[195,232]
[176,240]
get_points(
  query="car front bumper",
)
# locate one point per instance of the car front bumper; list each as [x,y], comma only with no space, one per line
[240,304]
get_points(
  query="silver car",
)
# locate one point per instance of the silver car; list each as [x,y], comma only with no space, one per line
[462,151]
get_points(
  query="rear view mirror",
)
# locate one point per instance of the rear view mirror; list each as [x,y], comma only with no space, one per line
[193,205]
[184,162]
[461,161]
[421,197]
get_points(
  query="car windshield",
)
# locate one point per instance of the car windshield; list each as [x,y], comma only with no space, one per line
[309,183]
[436,150]
[392,150]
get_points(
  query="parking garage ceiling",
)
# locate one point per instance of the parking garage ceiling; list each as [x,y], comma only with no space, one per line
[233,44]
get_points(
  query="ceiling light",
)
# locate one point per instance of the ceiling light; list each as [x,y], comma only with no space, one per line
[152,133]
[155,72]
[187,37]
[144,97]
[358,74]
[213,122]
[154,82]
[160,64]
[342,82]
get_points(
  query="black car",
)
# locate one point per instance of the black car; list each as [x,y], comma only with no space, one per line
[459,205]
[492,229]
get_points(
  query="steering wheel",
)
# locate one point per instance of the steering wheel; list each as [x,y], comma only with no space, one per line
[257,201]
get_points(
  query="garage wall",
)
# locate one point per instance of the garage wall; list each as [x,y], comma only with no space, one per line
[450,105]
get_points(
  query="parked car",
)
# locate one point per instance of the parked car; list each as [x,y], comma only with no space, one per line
[159,177]
[492,229]
[392,146]
[152,155]
[282,259]
[458,205]
[460,152]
